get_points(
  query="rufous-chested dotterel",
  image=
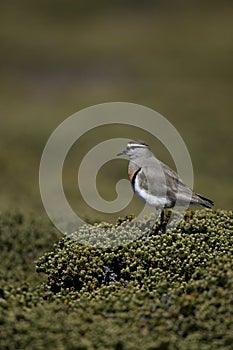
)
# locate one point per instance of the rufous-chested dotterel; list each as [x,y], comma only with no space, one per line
[157,184]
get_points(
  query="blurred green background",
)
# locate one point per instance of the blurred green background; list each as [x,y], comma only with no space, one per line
[58,57]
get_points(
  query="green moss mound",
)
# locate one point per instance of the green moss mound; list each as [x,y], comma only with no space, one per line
[168,290]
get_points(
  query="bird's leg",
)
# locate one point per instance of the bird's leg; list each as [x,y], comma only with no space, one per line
[162,224]
[161,217]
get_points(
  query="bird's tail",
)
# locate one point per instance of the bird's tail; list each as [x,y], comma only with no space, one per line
[198,199]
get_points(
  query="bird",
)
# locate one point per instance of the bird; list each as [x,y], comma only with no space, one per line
[156,183]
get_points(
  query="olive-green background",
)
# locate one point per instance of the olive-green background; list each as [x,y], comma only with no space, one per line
[59,57]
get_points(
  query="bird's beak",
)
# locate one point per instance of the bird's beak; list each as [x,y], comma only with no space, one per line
[121,153]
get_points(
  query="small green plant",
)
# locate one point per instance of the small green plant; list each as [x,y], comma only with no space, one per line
[168,290]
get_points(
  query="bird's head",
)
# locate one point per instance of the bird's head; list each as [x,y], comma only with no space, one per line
[136,149]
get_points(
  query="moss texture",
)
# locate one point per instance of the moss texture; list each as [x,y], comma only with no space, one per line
[168,290]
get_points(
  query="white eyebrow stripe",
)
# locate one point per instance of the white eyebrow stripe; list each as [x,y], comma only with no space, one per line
[138,145]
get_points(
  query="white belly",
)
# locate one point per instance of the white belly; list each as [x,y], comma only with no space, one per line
[150,199]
